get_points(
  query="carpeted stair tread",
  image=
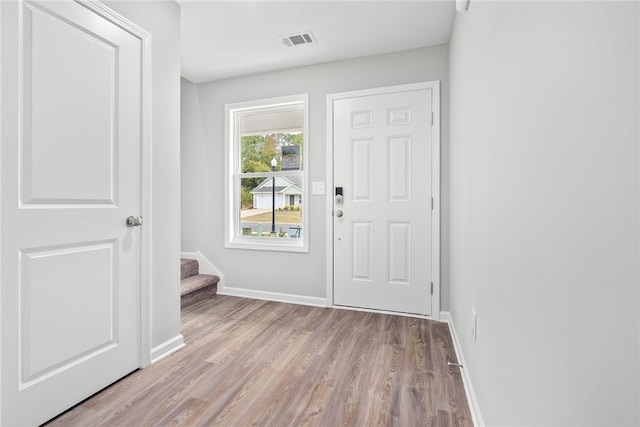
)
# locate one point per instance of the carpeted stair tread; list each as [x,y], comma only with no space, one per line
[199,281]
[199,295]
[194,286]
[188,268]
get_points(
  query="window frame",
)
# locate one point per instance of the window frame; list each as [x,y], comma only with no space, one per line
[233,175]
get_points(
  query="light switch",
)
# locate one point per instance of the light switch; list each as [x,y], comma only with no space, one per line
[317,187]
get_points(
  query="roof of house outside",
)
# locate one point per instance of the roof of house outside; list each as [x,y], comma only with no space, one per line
[282,184]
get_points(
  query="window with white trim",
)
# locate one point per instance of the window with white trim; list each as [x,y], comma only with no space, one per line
[267,174]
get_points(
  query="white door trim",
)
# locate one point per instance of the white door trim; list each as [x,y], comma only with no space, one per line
[435,182]
[145,171]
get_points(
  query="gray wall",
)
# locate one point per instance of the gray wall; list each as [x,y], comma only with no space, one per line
[544,209]
[203,163]
[162,20]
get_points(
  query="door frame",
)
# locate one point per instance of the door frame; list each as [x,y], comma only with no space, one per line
[145,170]
[434,85]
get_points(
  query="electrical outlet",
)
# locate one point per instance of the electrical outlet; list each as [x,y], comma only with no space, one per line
[474,324]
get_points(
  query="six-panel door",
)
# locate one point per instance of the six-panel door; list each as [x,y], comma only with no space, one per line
[382,241]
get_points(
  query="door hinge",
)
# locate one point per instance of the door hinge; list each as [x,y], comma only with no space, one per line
[432,118]
[431,288]
[432,203]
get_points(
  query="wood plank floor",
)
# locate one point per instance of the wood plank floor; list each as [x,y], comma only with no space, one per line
[259,363]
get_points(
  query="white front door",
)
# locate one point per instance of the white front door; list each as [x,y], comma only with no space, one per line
[71,147]
[383,227]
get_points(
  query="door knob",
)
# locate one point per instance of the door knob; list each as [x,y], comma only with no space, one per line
[339,214]
[134,221]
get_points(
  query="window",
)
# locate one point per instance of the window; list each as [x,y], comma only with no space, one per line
[267,174]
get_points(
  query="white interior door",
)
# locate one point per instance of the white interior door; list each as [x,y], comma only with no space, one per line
[71,147]
[383,227]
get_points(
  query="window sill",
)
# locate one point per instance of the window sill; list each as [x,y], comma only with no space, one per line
[258,244]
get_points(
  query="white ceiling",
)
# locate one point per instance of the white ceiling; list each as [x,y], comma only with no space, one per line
[222,39]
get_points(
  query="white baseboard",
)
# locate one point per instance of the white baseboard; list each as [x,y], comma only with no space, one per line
[206,266]
[445,316]
[166,348]
[273,296]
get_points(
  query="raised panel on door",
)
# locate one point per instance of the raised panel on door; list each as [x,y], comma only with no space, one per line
[84,318]
[70,177]
[69,67]
[399,253]
[382,160]
[362,252]
[362,169]
[399,168]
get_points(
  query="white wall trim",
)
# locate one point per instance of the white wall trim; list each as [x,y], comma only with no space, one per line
[435,193]
[145,173]
[206,266]
[435,183]
[329,203]
[2,344]
[273,296]
[476,416]
[166,348]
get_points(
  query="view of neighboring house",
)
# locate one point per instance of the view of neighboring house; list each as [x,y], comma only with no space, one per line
[288,193]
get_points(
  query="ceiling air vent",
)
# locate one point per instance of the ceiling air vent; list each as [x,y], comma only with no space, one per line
[298,39]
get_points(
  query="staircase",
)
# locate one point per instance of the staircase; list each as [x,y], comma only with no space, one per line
[194,286]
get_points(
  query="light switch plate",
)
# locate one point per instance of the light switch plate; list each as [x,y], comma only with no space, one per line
[317,187]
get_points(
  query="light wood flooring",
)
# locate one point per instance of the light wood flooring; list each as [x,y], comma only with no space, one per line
[250,362]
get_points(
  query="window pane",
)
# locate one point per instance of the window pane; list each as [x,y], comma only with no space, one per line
[260,202]
[258,151]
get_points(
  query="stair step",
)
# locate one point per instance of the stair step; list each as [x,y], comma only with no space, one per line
[197,288]
[199,281]
[188,268]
